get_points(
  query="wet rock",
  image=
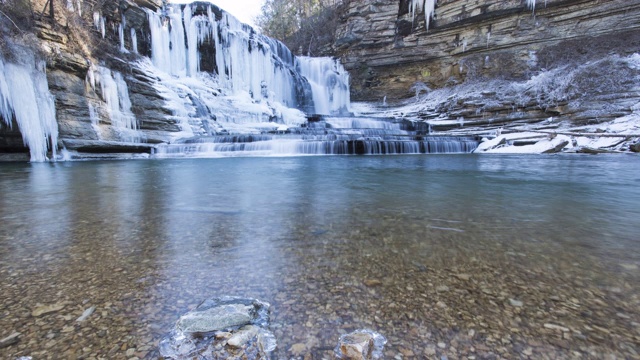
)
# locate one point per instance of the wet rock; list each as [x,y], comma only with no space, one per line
[46,309]
[372,282]
[298,349]
[243,336]
[221,328]
[220,314]
[556,327]
[360,345]
[10,340]
[86,314]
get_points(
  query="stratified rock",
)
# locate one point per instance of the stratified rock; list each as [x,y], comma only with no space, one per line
[387,50]
[360,345]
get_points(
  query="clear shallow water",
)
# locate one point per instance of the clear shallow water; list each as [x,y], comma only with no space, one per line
[428,250]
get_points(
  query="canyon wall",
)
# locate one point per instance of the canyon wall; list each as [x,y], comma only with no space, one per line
[388,49]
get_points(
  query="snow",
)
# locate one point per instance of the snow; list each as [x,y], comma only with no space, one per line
[539,147]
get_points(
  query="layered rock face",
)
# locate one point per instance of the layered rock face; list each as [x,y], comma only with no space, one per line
[388,49]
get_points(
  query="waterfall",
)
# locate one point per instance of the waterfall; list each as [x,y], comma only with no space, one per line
[25,97]
[329,83]
[330,136]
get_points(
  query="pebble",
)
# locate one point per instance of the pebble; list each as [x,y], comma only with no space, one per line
[86,314]
[243,336]
[47,309]
[516,303]
[10,340]
[298,349]
[556,327]
[372,282]
[442,345]
[430,351]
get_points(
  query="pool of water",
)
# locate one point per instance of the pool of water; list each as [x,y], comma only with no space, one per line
[445,255]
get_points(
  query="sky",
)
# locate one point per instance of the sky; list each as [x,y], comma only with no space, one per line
[244,10]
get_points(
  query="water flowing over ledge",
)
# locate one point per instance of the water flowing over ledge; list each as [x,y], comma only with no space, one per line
[329,136]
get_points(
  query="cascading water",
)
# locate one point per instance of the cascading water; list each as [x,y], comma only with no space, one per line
[331,136]
[25,97]
[329,84]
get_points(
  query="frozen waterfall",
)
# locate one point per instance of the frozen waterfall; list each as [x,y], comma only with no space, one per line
[25,97]
[189,39]
[329,84]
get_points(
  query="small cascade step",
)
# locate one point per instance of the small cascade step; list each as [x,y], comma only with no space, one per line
[326,136]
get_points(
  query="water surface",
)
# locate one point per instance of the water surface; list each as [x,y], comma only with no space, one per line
[455,255]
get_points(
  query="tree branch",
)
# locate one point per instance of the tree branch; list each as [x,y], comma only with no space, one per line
[14,24]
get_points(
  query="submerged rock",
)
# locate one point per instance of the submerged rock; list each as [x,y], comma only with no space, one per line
[360,345]
[221,328]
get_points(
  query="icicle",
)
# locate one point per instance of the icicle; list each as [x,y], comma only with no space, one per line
[25,97]
[429,11]
[134,41]
[115,94]
[99,23]
[123,24]
[532,5]
[428,6]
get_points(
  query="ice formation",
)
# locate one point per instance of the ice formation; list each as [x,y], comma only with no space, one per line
[531,4]
[329,84]
[115,93]
[218,75]
[25,97]
[114,105]
[429,7]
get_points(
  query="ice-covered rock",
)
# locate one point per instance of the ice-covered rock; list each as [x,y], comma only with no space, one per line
[219,328]
[503,144]
[360,345]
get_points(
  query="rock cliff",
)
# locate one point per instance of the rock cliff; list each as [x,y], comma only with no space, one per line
[387,49]
[489,64]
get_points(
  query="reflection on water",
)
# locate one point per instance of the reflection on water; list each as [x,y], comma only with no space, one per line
[444,255]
